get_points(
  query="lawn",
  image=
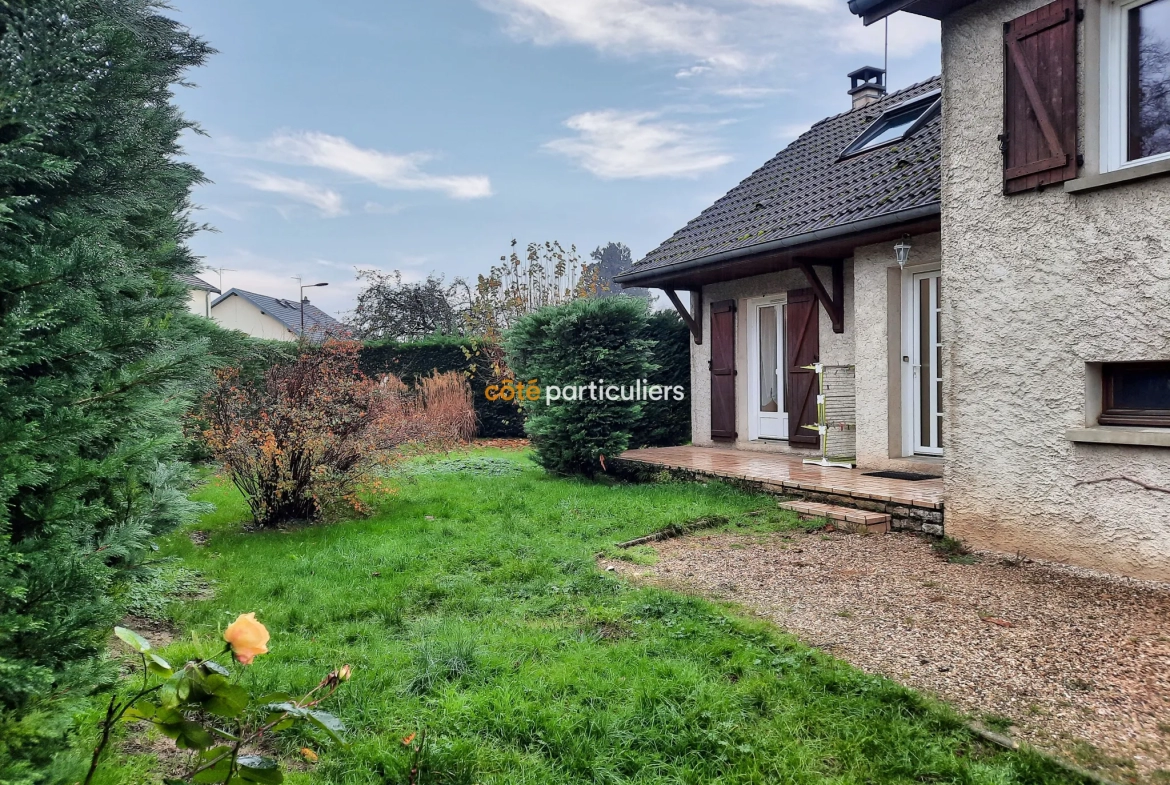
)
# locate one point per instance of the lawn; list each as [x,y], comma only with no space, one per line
[470,607]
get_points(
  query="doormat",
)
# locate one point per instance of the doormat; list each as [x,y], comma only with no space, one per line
[911,476]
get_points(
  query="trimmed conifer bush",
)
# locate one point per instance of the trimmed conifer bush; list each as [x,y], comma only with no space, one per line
[581,342]
[667,423]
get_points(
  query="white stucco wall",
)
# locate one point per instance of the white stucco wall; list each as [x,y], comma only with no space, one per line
[1038,285]
[836,349]
[877,317]
[236,313]
[199,302]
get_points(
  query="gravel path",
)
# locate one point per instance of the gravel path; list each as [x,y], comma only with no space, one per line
[1079,663]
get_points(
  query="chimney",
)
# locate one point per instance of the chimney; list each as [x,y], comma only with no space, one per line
[868,85]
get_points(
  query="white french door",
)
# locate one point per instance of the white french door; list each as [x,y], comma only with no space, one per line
[926,362]
[768,418]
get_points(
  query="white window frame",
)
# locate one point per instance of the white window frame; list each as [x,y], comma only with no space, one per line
[754,305]
[1114,87]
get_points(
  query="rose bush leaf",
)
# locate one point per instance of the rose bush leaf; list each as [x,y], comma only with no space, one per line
[228,700]
[330,724]
[257,768]
[133,640]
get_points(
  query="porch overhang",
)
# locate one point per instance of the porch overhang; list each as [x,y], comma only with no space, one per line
[788,253]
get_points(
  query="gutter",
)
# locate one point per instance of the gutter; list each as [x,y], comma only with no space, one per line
[635,276]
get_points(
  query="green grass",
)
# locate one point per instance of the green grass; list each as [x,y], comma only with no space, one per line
[489,626]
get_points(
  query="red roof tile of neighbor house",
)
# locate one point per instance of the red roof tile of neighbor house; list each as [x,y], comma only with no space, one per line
[809,187]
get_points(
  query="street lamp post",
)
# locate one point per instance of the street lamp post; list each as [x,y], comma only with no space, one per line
[303,288]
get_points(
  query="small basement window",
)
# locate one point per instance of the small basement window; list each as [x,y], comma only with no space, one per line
[895,124]
[1135,394]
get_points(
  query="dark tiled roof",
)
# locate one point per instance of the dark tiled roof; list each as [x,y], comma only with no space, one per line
[193,282]
[806,187]
[318,324]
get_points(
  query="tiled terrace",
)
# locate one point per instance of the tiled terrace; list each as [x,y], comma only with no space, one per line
[916,505]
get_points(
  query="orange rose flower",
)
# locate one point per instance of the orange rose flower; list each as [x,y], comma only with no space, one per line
[247,637]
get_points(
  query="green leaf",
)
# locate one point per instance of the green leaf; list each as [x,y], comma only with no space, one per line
[188,735]
[215,667]
[228,700]
[330,724]
[158,666]
[219,771]
[133,640]
[214,752]
[257,768]
[143,709]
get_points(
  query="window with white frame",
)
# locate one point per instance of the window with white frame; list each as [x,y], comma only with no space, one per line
[1135,117]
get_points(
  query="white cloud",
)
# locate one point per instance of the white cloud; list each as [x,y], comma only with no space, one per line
[909,34]
[624,27]
[377,208]
[387,170]
[326,200]
[613,144]
[737,49]
[694,70]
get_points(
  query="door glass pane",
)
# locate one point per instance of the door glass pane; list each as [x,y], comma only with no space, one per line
[925,353]
[1149,79]
[769,400]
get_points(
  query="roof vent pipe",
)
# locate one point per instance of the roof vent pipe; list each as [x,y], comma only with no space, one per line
[868,85]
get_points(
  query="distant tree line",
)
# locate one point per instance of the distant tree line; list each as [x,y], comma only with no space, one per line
[390,308]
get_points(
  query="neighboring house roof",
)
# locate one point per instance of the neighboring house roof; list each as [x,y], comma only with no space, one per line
[193,282]
[318,324]
[808,190]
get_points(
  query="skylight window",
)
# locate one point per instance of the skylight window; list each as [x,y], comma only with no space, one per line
[894,124]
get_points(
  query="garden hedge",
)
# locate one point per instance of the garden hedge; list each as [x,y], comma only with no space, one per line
[412,360]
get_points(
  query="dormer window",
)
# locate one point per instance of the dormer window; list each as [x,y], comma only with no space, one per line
[896,123]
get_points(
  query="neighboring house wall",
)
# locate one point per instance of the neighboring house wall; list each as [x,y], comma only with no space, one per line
[199,302]
[236,313]
[1039,286]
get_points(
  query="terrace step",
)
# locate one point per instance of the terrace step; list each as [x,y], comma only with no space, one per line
[845,518]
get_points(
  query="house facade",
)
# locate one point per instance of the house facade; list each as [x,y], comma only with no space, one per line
[1056,257]
[199,294]
[273,318]
[1014,341]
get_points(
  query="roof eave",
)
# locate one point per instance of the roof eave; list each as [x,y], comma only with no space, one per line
[871,12]
[806,242]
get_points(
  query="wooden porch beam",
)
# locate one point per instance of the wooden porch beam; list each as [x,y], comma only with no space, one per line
[835,305]
[696,327]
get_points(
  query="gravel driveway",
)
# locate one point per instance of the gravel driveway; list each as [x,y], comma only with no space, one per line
[1079,663]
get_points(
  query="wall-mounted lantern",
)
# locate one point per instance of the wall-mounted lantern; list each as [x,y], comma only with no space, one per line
[902,250]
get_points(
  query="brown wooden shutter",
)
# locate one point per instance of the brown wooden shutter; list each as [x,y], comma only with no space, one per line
[1039,140]
[723,370]
[802,338]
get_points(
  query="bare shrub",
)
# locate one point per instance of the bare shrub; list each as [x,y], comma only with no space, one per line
[308,435]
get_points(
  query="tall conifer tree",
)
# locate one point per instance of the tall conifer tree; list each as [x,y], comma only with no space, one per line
[96,360]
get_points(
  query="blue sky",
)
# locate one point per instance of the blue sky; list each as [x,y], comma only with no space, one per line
[423,136]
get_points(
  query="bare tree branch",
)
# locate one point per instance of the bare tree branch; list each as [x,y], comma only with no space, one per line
[1123,478]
